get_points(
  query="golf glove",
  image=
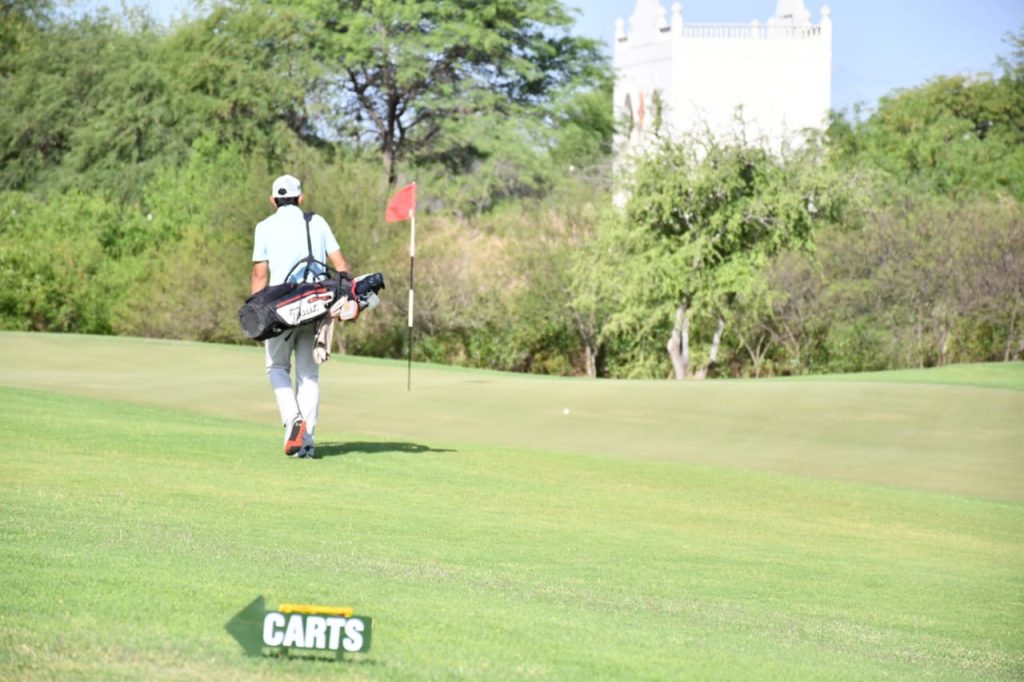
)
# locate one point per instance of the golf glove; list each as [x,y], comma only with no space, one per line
[344,309]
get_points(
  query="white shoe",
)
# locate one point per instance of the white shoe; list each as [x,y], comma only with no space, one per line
[306,452]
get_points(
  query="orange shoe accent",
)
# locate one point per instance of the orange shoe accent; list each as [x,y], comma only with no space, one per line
[294,442]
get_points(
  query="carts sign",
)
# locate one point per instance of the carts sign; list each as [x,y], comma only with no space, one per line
[300,628]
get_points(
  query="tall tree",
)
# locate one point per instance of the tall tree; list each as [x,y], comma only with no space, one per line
[244,74]
[406,73]
[127,97]
[93,116]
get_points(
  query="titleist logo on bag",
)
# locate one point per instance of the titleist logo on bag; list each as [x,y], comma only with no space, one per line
[306,306]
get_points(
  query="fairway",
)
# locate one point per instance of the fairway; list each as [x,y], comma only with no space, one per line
[849,527]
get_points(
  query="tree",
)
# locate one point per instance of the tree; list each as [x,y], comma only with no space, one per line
[20,23]
[595,256]
[127,98]
[796,318]
[245,74]
[958,136]
[583,129]
[713,215]
[53,261]
[990,264]
[750,315]
[45,102]
[409,74]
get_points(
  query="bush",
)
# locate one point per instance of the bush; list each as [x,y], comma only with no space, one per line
[56,257]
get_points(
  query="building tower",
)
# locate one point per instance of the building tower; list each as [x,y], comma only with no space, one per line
[681,78]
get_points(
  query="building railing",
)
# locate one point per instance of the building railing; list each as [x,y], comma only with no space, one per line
[750,31]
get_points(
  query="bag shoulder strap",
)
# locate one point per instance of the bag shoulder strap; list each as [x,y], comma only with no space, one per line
[309,260]
[308,216]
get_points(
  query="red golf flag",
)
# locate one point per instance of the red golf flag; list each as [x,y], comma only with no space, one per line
[402,204]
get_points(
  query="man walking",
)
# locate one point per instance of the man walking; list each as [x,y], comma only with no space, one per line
[281,243]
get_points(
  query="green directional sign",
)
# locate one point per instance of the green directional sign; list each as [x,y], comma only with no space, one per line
[299,628]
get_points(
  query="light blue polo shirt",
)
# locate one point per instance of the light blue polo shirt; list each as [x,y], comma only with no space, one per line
[281,241]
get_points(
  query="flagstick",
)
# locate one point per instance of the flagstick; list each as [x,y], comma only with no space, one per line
[412,262]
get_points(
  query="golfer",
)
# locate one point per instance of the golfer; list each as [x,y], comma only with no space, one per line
[280,243]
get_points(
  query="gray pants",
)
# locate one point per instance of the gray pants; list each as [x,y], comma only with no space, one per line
[304,399]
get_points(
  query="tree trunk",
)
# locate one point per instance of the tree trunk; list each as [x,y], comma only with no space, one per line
[1009,337]
[679,343]
[716,343]
[919,341]
[591,356]
[791,343]
[586,326]
[1020,347]
[389,165]
[757,352]
[339,341]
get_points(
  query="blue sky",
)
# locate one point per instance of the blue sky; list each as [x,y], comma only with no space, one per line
[878,45]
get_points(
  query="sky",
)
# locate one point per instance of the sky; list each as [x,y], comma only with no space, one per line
[877,45]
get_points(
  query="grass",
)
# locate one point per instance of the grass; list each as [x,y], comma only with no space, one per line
[989,375]
[783,530]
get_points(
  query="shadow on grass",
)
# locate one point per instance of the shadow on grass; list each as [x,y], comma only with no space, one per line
[340,449]
[359,660]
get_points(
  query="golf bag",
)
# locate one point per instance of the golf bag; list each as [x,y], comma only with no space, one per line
[274,310]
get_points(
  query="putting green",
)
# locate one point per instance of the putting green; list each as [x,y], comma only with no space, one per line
[957,429]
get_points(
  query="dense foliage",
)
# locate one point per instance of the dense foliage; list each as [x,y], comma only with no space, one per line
[135,160]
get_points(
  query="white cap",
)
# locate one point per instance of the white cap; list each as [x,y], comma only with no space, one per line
[286,186]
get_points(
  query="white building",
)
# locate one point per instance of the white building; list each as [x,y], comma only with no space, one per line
[776,76]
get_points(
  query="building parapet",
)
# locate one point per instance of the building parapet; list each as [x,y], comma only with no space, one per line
[649,23]
[754,30]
